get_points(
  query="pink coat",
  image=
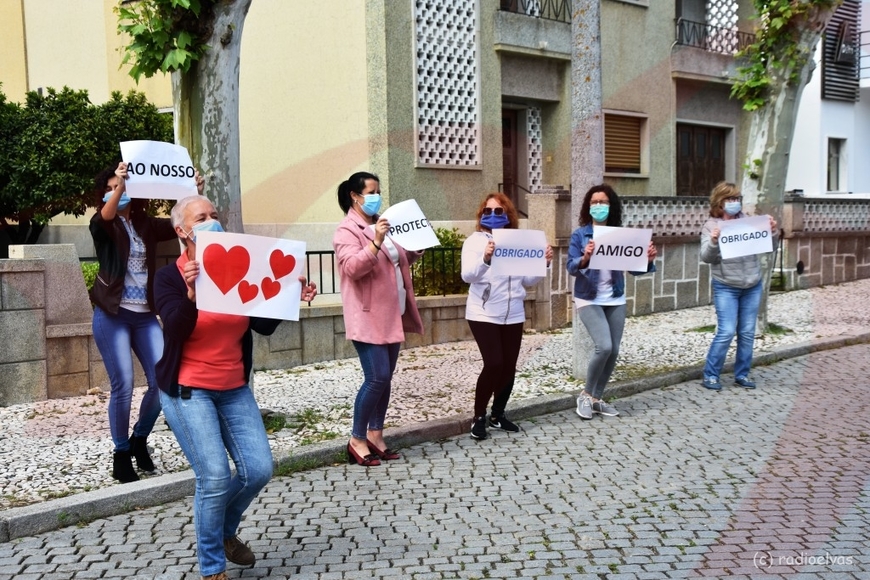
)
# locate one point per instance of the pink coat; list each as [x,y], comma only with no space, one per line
[369,292]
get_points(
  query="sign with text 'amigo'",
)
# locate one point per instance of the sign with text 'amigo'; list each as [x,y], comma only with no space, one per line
[158,170]
[519,253]
[744,237]
[249,275]
[409,227]
[620,249]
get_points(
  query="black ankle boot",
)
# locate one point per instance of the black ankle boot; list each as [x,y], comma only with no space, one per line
[122,467]
[139,450]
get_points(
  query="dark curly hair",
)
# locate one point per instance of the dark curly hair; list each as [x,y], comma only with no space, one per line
[614,218]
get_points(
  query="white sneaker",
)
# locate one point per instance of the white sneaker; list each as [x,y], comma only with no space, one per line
[605,409]
[584,407]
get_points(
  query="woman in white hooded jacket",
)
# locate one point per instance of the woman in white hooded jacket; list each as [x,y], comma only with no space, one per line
[495,313]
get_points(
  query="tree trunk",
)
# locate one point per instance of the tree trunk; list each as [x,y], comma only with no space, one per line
[206,102]
[770,139]
[587,135]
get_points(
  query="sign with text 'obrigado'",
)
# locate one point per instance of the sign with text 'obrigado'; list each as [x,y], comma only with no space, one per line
[744,237]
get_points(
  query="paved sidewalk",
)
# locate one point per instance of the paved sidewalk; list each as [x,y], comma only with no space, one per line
[685,483]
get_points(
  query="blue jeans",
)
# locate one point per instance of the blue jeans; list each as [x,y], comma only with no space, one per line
[207,426]
[378,362]
[115,337]
[736,311]
[604,325]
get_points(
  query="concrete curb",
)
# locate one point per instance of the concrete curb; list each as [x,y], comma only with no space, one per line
[85,507]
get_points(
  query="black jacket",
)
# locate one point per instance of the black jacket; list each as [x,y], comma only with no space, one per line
[113,249]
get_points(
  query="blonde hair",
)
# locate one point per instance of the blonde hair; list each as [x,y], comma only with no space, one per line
[722,191]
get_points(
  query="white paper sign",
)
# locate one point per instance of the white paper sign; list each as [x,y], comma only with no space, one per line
[409,227]
[620,249]
[519,253]
[744,237]
[158,170]
[249,275]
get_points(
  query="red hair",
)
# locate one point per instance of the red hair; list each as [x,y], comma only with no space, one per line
[504,201]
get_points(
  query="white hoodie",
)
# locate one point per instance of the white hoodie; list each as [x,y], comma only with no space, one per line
[493,299]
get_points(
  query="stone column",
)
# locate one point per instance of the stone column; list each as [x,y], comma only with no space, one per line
[587,135]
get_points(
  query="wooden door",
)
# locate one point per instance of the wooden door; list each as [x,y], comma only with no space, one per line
[509,153]
[700,159]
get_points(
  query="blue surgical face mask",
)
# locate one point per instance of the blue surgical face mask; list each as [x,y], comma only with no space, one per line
[372,204]
[123,202]
[494,222]
[732,207]
[206,226]
[599,213]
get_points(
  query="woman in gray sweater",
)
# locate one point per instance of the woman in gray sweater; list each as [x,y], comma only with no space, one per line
[737,289]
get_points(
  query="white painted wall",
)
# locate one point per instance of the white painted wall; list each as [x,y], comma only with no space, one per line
[819,120]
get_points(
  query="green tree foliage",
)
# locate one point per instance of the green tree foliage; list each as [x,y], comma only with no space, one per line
[52,147]
[438,271]
[779,48]
[165,35]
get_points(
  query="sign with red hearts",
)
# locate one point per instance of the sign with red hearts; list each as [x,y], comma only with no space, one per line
[249,275]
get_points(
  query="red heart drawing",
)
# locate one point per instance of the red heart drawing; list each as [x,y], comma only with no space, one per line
[282,264]
[270,288]
[248,292]
[226,268]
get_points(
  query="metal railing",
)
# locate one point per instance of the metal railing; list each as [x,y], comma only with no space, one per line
[558,10]
[864,50]
[436,273]
[712,38]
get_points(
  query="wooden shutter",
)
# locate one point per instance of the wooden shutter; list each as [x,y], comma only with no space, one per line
[622,143]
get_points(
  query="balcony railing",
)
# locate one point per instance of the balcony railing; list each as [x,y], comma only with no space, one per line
[864,51]
[559,10]
[712,38]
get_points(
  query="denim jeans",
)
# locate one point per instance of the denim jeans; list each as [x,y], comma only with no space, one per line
[378,362]
[736,311]
[115,337]
[207,426]
[604,325]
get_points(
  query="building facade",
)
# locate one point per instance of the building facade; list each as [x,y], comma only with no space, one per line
[444,99]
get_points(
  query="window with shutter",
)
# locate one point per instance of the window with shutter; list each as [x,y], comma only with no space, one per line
[623,143]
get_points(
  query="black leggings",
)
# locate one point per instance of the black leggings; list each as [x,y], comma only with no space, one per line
[499,346]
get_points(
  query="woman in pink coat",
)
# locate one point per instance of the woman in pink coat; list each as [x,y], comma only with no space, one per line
[378,301]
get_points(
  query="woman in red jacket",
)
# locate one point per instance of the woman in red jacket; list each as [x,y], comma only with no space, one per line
[379,307]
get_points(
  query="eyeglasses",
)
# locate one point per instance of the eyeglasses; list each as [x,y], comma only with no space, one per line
[493,210]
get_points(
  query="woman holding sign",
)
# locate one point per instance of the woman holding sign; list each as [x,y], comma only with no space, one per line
[125,239]
[495,314]
[599,296]
[737,289]
[203,379]
[377,297]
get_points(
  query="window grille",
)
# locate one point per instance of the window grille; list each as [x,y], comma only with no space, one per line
[447,82]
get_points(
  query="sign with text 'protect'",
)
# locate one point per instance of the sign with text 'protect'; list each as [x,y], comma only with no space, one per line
[519,253]
[158,170]
[745,237]
[249,275]
[620,249]
[409,227]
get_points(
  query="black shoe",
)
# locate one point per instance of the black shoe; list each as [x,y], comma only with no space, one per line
[122,467]
[139,450]
[478,428]
[501,422]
